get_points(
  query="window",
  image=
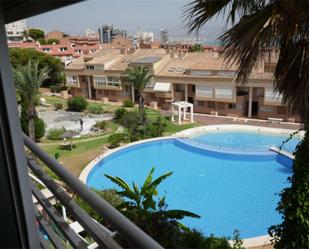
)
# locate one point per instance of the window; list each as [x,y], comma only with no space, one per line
[180,87]
[201,73]
[171,69]
[211,105]
[193,88]
[226,73]
[224,92]
[204,91]
[78,51]
[180,69]
[221,105]
[99,81]
[10,32]
[72,80]
[272,96]
[63,49]
[200,103]
[281,110]
[90,67]
[46,49]
[266,109]
[113,81]
[232,106]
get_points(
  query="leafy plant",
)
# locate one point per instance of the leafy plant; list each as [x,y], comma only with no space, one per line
[101,125]
[54,134]
[39,128]
[294,204]
[119,113]
[128,103]
[139,77]
[58,105]
[114,140]
[95,109]
[77,104]
[28,79]
[109,195]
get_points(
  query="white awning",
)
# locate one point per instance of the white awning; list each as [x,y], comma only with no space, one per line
[162,87]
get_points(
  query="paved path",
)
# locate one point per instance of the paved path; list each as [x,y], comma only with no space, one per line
[213,120]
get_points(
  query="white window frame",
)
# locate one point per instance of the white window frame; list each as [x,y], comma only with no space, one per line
[204,91]
[224,92]
[115,83]
[270,96]
[70,79]
[100,80]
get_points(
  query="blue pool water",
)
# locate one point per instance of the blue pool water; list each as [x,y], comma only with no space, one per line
[246,140]
[238,192]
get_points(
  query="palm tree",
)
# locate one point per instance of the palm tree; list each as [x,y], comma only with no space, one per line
[139,77]
[258,29]
[151,216]
[261,28]
[28,80]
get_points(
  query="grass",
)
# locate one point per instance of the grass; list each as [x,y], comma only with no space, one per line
[88,147]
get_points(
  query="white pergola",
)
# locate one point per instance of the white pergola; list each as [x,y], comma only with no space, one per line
[182,105]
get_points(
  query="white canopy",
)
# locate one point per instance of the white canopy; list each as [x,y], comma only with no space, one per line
[162,87]
[182,105]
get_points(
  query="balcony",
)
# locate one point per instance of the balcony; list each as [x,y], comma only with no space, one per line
[72,83]
[55,229]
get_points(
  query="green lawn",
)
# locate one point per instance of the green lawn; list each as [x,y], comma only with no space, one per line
[88,147]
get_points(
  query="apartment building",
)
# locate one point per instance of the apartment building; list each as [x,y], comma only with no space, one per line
[200,78]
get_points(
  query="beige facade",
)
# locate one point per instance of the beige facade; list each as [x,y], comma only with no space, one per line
[200,78]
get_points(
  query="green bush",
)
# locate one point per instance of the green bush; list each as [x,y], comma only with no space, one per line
[58,105]
[39,128]
[101,125]
[57,88]
[77,104]
[157,128]
[119,113]
[54,134]
[293,233]
[114,140]
[95,109]
[128,103]
[109,195]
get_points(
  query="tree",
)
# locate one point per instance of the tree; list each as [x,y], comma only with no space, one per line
[21,56]
[196,48]
[139,77]
[28,80]
[35,34]
[151,216]
[262,28]
[52,41]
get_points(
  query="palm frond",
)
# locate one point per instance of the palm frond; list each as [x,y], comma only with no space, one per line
[178,214]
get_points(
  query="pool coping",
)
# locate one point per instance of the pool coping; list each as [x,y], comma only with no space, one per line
[248,242]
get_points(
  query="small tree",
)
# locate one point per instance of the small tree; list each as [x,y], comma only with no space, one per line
[28,80]
[139,77]
[77,104]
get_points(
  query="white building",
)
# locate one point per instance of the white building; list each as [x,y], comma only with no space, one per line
[15,30]
[91,33]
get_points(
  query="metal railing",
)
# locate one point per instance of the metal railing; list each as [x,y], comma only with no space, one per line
[56,230]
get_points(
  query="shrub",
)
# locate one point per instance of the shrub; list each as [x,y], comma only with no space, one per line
[292,233]
[57,89]
[58,105]
[101,125]
[109,195]
[54,134]
[157,128]
[39,128]
[95,109]
[128,103]
[114,140]
[119,113]
[77,104]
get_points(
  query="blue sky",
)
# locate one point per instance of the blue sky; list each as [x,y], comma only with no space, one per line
[126,14]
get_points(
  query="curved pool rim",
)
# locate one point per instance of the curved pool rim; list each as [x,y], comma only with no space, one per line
[248,242]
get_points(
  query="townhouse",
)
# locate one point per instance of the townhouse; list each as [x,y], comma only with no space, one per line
[203,79]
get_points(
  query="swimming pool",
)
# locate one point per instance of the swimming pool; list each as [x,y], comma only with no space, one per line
[247,140]
[228,190]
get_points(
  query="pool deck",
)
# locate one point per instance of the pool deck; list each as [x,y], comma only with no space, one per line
[215,120]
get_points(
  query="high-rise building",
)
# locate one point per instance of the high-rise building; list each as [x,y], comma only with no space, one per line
[107,33]
[163,36]
[15,30]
